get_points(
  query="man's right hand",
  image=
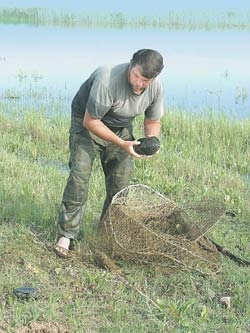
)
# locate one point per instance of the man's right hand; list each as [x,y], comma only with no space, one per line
[129,147]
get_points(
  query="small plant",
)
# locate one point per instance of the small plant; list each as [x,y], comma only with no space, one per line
[179,310]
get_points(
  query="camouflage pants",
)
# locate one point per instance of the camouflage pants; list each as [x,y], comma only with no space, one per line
[117,167]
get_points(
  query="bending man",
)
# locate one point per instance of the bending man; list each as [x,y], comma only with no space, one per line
[103,110]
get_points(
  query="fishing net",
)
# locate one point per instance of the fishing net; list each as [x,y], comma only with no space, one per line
[143,226]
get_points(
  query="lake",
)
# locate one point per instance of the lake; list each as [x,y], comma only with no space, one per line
[203,69]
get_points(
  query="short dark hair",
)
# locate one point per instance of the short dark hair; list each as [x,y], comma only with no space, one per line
[150,61]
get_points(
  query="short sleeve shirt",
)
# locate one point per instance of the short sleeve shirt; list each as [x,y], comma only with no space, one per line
[108,96]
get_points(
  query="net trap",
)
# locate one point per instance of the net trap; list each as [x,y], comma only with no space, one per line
[143,226]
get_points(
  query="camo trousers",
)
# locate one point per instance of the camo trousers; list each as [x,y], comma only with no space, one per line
[117,167]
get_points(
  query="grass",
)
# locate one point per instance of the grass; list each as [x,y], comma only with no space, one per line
[169,20]
[202,156]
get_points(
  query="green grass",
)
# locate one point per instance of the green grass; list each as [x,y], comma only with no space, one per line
[202,156]
[118,20]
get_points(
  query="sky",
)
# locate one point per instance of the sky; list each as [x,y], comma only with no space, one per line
[132,7]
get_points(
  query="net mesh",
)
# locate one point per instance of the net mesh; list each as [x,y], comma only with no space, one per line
[142,225]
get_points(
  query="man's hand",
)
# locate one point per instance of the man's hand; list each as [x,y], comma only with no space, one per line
[129,147]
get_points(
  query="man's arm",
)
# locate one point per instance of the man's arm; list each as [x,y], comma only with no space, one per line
[97,127]
[100,129]
[152,127]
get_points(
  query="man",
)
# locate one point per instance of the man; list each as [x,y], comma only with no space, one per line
[101,123]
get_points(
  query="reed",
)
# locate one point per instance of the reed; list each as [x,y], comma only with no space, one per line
[169,20]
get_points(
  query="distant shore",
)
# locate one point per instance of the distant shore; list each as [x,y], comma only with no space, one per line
[118,20]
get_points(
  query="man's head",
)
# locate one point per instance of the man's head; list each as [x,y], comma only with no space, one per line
[145,65]
[149,61]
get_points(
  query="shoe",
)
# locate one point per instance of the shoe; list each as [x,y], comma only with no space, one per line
[62,247]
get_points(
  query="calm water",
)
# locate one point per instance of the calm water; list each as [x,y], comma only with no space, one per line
[203,69]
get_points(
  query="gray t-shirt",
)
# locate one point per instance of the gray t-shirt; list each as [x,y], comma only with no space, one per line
[108,96]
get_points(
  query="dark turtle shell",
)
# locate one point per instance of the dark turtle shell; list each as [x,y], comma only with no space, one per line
[25,292]
[148,146]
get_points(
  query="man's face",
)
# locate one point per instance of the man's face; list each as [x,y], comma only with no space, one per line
[137,81]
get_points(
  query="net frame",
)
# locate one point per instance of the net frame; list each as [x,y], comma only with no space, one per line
[133,236]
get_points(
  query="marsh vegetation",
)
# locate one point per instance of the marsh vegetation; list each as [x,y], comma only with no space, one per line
[200,157]
[170,20]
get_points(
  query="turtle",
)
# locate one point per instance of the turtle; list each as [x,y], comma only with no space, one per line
[148,146]
[25,292]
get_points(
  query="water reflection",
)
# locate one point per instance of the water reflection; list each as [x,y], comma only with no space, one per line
[203,69]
